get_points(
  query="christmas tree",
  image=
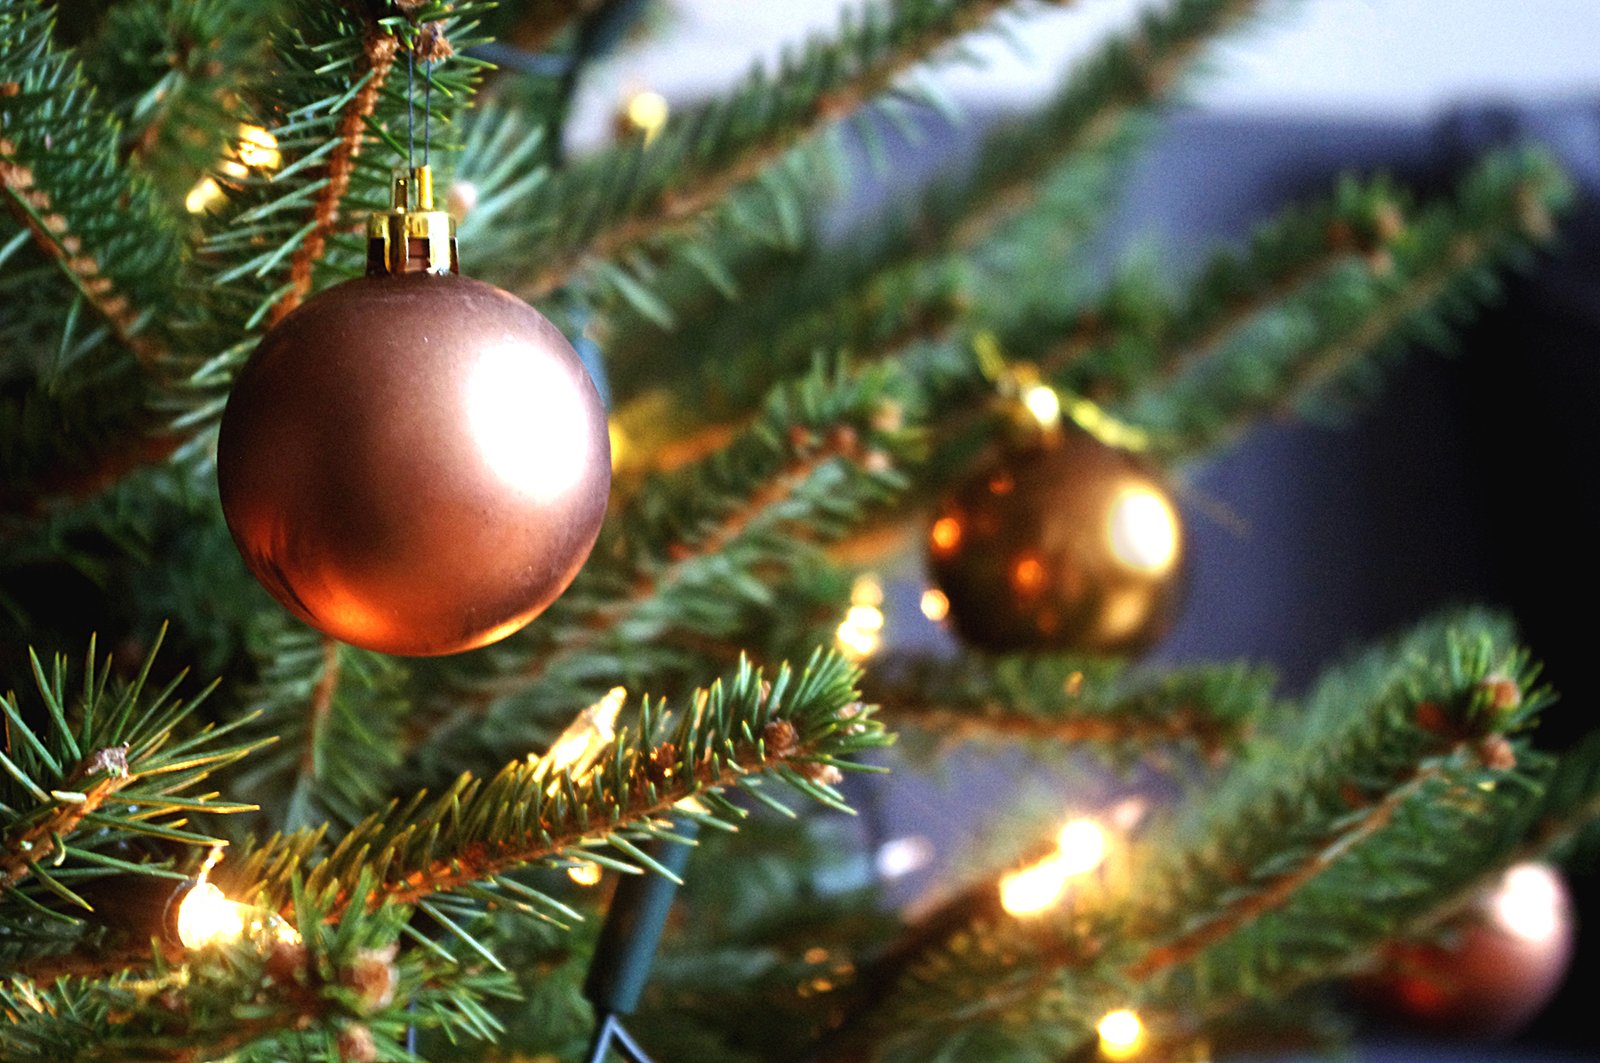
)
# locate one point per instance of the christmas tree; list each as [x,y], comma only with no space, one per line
[226,834]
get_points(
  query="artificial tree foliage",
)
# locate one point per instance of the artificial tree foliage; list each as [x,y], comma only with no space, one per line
[178,175]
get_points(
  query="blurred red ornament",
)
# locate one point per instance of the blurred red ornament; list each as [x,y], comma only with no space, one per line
[1492,974]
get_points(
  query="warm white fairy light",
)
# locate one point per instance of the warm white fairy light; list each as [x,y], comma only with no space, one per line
[647,112]
[1081,846]
[257,149]
[1121,1034]
[861,631]
[206,916]
[1035,889]
[205,194]
[585,873]
[1043,402]
[935,604]
[578,746]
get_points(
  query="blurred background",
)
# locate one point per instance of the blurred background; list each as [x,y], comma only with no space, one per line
[1467,478]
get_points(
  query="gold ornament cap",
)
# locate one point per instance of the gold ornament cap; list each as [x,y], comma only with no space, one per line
[409,238]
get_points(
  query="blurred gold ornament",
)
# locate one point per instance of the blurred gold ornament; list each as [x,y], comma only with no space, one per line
[1063,543]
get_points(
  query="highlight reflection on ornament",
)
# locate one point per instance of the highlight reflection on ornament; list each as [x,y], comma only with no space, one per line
[525,452]
[1143,528]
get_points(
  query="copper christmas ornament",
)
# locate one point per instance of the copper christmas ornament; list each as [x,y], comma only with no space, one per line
[1064,543]
[413,461]
[1492,973]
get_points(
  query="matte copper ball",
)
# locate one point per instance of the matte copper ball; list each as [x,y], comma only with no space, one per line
[415,464]
[1064,544]
[1491,974]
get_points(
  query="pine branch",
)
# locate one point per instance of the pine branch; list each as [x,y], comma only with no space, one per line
[79,418]
[1282,872]
[942,258]
[378,51]
[170,71]
[107,769]
[336,713]
[1132,339]
[1431,272]
[1070,701]
[621,199]
[1437,728]
[1120,81]
[58,168]
[101,774]
[800,728]
[341,993]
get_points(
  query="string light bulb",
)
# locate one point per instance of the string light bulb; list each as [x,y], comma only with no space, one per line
[1082,844]
[205,195]
[256,149]
[1081,847]
[646,112]
[935,605]
[585,873]
[206,917]
[577,748]
[861,631]
[1043,403]
[1122,1034]
[1035,889]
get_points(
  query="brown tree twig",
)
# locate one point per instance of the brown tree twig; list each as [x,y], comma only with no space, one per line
[52,234]
[1184,723]
[1282,888]
[22,850]
[378,53]
[321,704]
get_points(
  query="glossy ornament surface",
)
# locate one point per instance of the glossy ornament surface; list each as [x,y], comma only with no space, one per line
[414,462]
[1065,544]
[1491,974]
